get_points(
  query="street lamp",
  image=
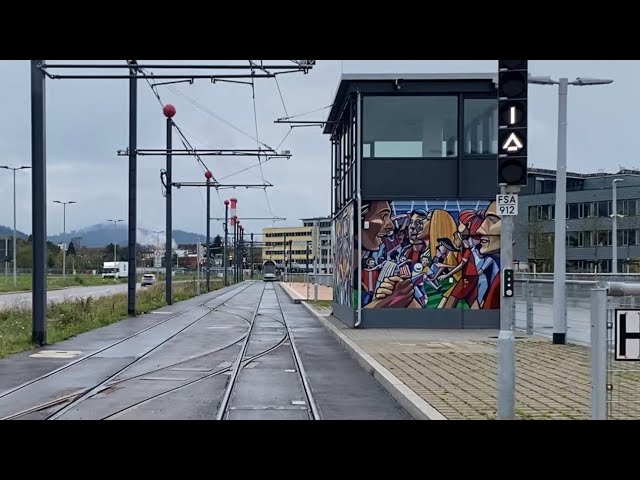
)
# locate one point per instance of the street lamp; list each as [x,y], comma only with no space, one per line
[64,233]
[559,251]
[614,260]
[158,232]
[15,277]
[115,258]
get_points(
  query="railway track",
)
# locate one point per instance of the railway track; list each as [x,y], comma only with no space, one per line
[74,403]
[73,399]
[243,361]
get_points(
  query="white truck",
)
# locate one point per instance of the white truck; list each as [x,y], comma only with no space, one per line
[115,270]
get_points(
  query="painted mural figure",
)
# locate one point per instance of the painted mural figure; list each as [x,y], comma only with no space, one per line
[443,257]
[394,291]
[370,278]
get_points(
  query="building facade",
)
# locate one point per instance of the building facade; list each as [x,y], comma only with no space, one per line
[414,179]
[322,240]
[296,255]
[588,221]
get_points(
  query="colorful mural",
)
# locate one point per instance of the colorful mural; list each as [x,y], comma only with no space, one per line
[426,254]
[343,257]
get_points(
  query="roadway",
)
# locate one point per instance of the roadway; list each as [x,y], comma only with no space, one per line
[23,299]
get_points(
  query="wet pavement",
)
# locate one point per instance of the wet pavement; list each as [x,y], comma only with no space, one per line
[180,366]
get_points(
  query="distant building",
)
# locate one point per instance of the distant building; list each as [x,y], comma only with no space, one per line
[274,242]
[323,249]
[315,234]
[589,221]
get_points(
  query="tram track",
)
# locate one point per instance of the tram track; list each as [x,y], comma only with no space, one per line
[79,396]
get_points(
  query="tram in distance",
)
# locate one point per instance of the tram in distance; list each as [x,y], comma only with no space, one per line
[269,271]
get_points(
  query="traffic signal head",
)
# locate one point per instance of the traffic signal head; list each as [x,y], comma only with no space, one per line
[512,121]
[508,282]
[513,64]
[513,84]
[512,170]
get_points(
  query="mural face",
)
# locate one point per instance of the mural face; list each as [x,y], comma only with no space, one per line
[418,254]
[343,258]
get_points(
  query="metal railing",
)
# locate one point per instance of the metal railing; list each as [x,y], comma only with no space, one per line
[615,352]
[325,279]
[533,306]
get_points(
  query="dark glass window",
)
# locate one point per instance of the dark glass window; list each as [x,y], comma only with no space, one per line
[410,127]
[480,126]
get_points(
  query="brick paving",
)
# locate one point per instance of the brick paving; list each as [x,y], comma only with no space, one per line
[456,372]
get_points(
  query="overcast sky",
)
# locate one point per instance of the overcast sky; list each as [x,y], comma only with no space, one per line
[87,122]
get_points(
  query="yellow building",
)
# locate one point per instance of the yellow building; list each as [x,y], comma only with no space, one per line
[300,238]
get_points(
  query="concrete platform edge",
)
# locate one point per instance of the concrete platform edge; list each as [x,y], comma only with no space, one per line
[417,407]
[295,298]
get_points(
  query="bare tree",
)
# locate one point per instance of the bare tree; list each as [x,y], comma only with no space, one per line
[594,225]
[542,245]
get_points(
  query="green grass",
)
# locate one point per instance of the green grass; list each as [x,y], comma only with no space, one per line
[72,317]
[322,303]
[55,283]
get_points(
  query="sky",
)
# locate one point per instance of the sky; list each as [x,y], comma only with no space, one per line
[87,123]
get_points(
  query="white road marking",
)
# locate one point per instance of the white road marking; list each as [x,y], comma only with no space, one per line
[56,354]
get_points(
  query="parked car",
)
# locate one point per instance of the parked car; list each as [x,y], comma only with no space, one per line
[148,279]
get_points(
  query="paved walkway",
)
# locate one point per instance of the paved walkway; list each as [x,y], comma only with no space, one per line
[324,292]
[455,371]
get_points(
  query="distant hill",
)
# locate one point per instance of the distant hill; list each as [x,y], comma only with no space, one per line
[103,234]
[8,232]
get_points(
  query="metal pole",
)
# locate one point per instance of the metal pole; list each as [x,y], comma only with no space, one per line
[307,272]
[115,258]
[290,261]
[529,309]
[15,275]
[241,258]
[133,175]
[284,255]
[225,260]
[169,226]
[158,248]
[358,214]
[240,238]
[251,250]
[39,204]
[64,243]
[506,341]
[599,353]
[208,234]
[614,261]
[198,268]
[559,253]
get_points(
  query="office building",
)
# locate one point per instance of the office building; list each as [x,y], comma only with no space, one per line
[274,242]
[322,234]
[589,221]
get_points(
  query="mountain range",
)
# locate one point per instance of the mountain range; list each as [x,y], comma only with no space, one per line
[100,235]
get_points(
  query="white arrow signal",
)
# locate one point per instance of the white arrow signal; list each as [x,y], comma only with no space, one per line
[513,143]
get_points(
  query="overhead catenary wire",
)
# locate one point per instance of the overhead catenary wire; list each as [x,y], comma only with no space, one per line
[255,118]
[183,139]
[211,113]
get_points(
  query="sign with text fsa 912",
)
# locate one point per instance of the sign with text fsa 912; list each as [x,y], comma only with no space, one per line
[627,335]
[513,78]
[507,204]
